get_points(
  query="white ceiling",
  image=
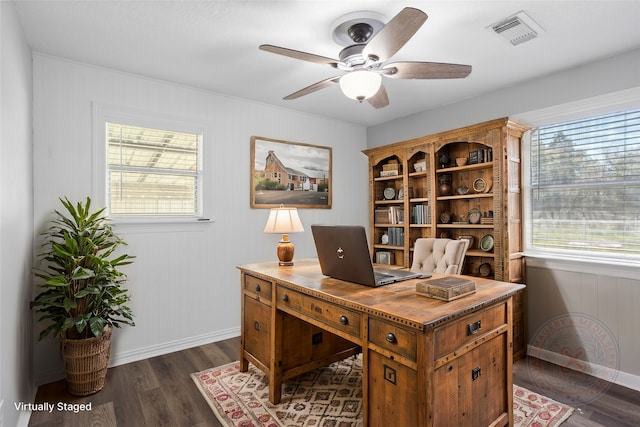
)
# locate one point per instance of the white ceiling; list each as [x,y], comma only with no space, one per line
[213,45]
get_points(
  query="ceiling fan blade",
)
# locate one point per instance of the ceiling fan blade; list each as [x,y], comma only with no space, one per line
[395,34]
[380,99]
[425,70]
[296,54]
[313,88]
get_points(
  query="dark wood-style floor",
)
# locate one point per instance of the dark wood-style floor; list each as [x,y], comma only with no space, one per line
[160,392]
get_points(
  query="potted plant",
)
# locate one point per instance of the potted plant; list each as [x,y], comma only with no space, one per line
[82,293]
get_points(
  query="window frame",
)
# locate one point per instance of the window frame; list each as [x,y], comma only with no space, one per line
[103,114]
[621,264]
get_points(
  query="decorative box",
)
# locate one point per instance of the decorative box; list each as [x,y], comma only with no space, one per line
[384,257]
[446,288]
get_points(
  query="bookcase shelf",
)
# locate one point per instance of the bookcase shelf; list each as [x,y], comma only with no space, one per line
[492,150]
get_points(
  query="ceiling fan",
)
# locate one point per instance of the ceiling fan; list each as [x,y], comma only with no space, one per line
[364,61]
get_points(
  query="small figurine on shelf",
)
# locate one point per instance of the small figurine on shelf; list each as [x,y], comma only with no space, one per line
[445,184]
[444,160]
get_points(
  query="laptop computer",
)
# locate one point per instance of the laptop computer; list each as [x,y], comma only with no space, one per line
[343,253]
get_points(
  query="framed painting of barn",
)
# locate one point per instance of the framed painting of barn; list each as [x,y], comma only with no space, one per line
[289,173]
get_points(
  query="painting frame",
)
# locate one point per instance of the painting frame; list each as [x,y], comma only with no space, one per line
[308,182]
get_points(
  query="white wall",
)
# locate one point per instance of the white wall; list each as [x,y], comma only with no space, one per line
[184,284]
[554,288]
[602,77]
[16,218]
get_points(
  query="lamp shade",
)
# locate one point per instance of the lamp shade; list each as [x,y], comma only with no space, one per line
[360,84]
[283,220]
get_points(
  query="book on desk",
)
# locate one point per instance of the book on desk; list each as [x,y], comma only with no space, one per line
[446,288]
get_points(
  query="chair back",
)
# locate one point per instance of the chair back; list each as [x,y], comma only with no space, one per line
[439,255]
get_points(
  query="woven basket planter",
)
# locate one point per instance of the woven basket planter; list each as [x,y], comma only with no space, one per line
[86,362]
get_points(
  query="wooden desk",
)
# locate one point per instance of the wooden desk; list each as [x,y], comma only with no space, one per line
[425,362]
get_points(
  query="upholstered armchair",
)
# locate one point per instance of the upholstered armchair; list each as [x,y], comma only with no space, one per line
[432,255]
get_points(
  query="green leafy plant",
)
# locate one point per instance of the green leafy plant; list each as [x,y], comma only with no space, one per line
[83,286]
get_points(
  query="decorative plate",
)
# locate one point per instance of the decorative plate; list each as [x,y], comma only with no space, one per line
[486,243]
[389,193]
[485,269]
[479,185]
[474,216]
[489,185]
[445,217]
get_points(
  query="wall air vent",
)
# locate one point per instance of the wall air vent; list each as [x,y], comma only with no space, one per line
[517,29]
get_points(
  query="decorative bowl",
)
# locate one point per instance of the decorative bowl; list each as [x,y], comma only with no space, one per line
[462,190]
[461,161]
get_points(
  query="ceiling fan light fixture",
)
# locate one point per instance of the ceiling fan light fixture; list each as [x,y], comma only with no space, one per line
[360,84]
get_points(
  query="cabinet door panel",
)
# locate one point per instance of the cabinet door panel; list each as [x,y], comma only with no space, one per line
[472,389]
[257,329]
[393,397]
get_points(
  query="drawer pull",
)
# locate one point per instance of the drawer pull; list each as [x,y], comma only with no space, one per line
[257,288]
[285,298]
[475,373]
[256,326]
[344,321]
[473,328]
[391,338]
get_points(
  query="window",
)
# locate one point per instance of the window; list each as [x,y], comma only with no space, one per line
[148,168]
[153,172]
[585,186]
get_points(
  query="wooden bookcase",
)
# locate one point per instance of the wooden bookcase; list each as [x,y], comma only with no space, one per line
[419,207]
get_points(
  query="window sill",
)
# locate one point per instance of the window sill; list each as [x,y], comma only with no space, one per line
[625,269]
[159,225]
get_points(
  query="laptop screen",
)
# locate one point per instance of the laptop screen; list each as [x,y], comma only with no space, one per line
[343,253]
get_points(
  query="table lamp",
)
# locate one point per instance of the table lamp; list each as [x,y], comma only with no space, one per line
[284,220]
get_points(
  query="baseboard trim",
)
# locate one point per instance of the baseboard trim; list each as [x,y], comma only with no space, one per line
[173,346]
[122,358]
[621,378]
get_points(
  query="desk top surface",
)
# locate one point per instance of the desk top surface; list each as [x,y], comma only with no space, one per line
[397,302]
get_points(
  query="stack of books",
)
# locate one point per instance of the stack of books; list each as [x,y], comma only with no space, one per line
[389,215]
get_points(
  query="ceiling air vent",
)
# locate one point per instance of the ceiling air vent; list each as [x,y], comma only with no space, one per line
[517,29]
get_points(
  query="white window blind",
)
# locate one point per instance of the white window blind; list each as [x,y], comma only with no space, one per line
[153,172]
[585,185]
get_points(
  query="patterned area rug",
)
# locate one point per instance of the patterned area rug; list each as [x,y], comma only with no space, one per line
[330,396]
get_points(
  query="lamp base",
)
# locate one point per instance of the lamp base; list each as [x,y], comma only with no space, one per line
[285,251]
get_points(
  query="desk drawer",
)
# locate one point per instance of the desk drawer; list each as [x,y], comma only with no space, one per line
[333,315]
[257,288]
[467,329]
[393,338]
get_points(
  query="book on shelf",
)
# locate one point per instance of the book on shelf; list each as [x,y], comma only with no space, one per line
[396,236]
[389,215]
[420,214]
[484,155]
